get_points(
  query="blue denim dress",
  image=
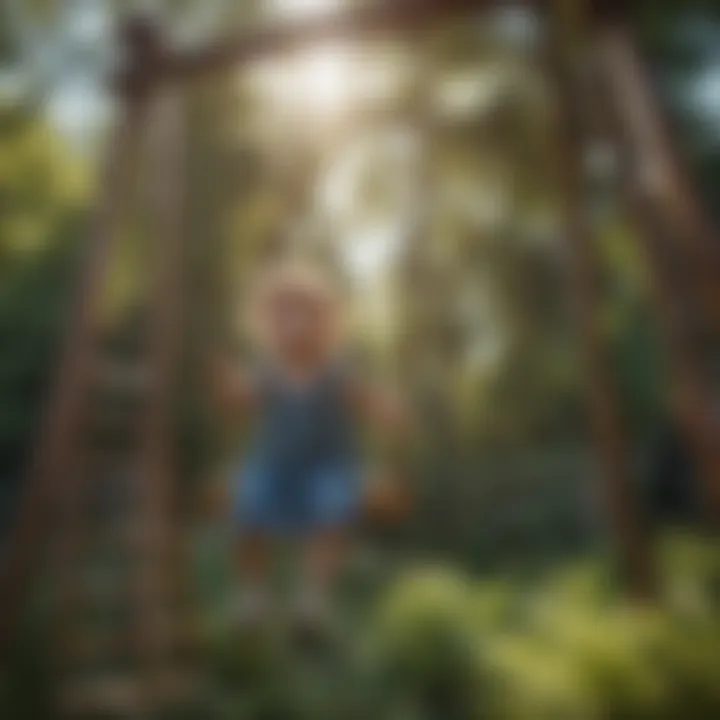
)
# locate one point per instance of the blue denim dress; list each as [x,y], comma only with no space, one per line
[301,473]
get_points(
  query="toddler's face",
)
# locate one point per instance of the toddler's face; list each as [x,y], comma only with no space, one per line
[300,322]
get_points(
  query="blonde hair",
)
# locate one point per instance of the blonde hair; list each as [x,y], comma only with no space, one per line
[312,277]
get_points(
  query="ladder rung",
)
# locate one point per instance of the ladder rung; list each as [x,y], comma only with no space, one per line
[92,603]
[110,461]
[85,644]
[119,438]
[88,644]
[113,416]
[110,696]
[126,376]
[177,687]
[129,536]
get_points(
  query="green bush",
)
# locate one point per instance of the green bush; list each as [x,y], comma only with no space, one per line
[425,644]
[441,645]
[570,648]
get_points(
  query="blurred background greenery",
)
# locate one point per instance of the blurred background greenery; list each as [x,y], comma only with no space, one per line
[424,169]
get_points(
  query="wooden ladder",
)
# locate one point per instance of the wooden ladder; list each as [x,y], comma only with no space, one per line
[102,475]
[120,617]
[121,629]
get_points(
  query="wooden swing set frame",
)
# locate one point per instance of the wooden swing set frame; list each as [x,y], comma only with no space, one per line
[666,207]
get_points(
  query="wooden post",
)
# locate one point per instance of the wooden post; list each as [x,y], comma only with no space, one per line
[670,226]
[621,500]
[157,461]
[664,176]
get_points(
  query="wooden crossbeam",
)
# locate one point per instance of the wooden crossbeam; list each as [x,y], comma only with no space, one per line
[348,24]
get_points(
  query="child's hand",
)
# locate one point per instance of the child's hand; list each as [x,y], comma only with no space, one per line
[384,407]
[387,500]
[390,410]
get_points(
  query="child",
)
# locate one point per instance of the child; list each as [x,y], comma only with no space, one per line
[302,473]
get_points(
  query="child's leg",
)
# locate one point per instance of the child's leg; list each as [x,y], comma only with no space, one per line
[324,555]
[253,564]
[254,510]
[253,559]
[332,499]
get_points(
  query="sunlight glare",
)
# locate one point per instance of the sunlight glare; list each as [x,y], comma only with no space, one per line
[303,8]
[324,79]
[369,253]
[471,94]
[312,86]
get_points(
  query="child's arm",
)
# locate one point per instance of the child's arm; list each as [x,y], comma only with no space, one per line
[231,388]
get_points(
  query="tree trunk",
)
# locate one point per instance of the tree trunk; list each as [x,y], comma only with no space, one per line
[621,498]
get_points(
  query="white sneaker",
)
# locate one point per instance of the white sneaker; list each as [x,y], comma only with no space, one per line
[313,616]
[251,608]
